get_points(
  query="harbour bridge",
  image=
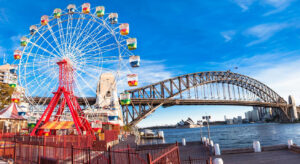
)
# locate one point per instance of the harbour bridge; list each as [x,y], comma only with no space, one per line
[204,88]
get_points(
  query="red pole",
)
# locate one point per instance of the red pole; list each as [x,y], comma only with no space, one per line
[89,155]
[15,149]
[128,154]
[109,156]
[178,154]
[72,154]
[44,146]
[149,159]
[4,149]
[20,150]
[45,112]
[39,159]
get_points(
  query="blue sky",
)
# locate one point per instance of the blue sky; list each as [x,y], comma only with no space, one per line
[176,37]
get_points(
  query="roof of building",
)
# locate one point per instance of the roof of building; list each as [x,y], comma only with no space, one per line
[7,67]
[11,112]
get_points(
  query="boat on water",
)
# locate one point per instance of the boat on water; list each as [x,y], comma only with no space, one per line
[150,134]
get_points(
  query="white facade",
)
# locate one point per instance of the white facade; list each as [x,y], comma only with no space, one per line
[8,74]
[107,101]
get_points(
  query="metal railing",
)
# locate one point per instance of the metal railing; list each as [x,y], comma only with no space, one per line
[26,149]
[168,155]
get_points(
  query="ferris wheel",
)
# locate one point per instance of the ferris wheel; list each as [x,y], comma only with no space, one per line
[93,41]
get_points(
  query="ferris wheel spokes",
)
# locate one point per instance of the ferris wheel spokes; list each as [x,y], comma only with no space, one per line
[91,42]
[55,39]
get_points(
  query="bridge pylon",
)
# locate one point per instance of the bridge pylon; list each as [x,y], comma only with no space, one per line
[293,109]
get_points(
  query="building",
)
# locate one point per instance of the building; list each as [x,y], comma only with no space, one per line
[107,108]
[8,74]
[235,120]
[189,123]
[239,120]
[259,114]
[229,121]
[255,115]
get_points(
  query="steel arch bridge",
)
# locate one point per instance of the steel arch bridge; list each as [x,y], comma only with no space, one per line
[203,88]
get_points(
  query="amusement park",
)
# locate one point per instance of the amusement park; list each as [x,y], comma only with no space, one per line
[72,53]
[74,91]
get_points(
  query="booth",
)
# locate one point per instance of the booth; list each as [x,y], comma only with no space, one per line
[12,119]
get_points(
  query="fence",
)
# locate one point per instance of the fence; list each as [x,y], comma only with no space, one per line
[111,135]
[168,155]
[26,149]
[64,140]
[196,153]
[7,135]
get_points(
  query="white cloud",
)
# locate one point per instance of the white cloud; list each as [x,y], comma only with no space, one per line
[264,31]
[279,71]
[244,4]
[284,78]
[228,35]
[279,5]
[16,42]
[149,72]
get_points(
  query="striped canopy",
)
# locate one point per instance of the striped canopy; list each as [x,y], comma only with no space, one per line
[58,125]
[11,112]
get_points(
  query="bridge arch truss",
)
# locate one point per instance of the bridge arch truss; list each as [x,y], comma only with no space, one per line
[202,88]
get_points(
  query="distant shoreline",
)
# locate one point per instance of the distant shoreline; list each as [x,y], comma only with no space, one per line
[175,126]
[210,124]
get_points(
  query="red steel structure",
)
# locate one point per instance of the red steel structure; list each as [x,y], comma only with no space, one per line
[65,93]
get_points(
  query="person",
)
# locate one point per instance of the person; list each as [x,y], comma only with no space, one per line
[10,161]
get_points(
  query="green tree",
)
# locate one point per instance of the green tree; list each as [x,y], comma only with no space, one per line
[5,94]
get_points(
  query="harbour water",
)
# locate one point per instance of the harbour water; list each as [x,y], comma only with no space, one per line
[236,136]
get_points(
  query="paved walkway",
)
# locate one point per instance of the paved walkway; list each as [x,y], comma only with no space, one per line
[193,150]
[267,157]
[130,140]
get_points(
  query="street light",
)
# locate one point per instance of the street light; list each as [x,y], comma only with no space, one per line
[201,125]
[207,118]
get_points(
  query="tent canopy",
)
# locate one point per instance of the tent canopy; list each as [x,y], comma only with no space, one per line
[11,112]
[58,125]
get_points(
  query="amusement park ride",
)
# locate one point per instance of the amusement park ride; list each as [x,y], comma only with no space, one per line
[89,47]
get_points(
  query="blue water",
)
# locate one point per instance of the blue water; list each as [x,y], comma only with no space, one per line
[239,136]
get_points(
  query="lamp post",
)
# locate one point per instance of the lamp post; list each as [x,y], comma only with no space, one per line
[201,125]
[207,118]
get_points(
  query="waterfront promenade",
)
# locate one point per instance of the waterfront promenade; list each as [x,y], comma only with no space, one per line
[267,157]
[196,152]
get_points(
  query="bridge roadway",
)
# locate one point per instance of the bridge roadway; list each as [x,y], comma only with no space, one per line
[171,102]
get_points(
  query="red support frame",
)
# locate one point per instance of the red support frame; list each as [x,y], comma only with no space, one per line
[65,90]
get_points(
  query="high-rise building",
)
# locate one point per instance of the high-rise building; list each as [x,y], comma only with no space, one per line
[8,74]
[239,120]
[255,115]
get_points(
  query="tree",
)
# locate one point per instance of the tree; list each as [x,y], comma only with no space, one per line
[5,94]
